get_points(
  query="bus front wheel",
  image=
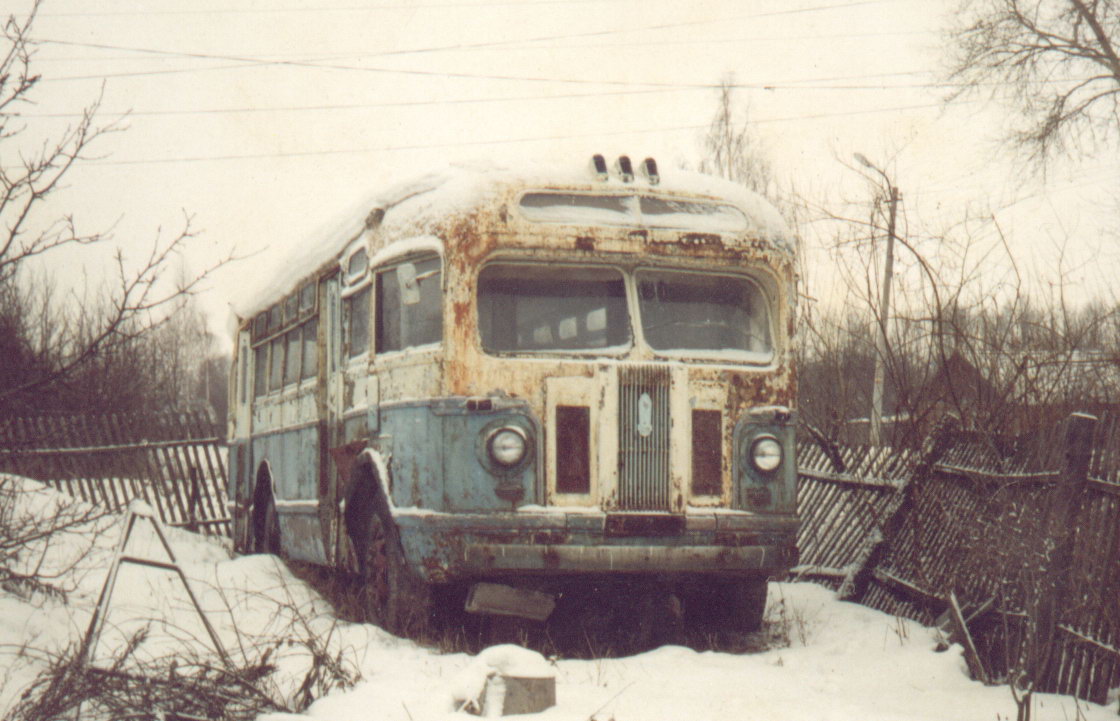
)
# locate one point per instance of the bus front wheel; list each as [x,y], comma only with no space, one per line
[723,605]
[393,594]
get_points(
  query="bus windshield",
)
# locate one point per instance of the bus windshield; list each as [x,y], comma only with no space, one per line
[690,312]
[531,308]
[548,308]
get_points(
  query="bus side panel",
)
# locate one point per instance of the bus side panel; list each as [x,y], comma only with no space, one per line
[415,436]
[293,455]
[439,461]
[471,481]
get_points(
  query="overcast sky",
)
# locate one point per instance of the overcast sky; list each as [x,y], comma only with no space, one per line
[266,120]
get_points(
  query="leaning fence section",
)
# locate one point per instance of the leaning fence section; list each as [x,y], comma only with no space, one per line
[1021,541]
[175,461]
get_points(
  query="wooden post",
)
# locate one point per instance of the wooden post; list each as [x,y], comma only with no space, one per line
[1057,554]
[192,517]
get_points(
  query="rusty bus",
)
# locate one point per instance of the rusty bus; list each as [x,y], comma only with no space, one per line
[509,380]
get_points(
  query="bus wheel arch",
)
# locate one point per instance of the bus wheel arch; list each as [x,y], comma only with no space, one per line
[264,523]
[395,594]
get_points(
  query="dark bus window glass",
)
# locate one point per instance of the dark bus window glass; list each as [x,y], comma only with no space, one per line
[707,452]
[276,377]
[548,308]
[690,311]
[275,318]
[401,325]
[310,348]
[307,297]
[291,370]
[260,371]
[243,377]
[357,265]
[291,307]
[573,463]
[357,322]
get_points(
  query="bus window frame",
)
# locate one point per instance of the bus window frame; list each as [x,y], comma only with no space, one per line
[344,311]
[387,265]
[295,324]
[608,351]
[712,355]
[762,283]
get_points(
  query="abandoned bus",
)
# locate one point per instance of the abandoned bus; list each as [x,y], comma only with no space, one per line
[510,380]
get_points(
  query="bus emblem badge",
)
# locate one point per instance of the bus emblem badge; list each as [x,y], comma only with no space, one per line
[645,415]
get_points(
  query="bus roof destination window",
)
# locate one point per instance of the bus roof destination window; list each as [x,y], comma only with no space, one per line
[537,308]
[692,215]
[708,313]
[579,209]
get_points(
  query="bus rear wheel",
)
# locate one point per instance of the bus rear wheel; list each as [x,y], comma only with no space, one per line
[265,523]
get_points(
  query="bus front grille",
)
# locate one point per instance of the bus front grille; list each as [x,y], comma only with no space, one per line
[643,438]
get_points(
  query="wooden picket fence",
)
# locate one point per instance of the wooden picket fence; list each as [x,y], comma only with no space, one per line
[1020,545]
[175,461]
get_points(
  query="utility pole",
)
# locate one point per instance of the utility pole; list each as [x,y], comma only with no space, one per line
[875,432]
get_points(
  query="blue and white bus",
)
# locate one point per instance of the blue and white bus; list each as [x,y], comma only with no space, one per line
[506,380]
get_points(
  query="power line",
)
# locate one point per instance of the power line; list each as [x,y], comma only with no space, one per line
[324,66]
[246,63]
[432,146]
[366,106]
[527,44]
[638,28]
[141,73]
[461,46]
[339,8]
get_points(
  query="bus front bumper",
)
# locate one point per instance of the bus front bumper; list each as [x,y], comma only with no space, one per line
[449,547]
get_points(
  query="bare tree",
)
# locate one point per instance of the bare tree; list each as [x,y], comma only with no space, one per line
[730,148]
[1055,61]
[133,301]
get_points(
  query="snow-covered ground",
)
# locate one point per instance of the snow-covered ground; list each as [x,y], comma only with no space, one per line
[844,661]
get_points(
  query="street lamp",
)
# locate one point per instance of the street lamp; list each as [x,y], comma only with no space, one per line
[875,432]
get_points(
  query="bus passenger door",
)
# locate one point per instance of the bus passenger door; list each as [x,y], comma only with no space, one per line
[331,464]
[240,472]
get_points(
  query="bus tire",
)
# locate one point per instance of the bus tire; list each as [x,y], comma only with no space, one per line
[393,594]
[748,604]
[725,605]
[265,525]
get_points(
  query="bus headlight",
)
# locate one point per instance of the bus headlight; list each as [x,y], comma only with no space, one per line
[766,454]
[507,446]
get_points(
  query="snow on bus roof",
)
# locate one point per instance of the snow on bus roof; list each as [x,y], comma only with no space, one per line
[420,203]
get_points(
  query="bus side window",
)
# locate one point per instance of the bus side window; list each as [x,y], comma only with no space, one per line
[276,377]
[291,370]
[403,324]
[310,348]
[260,370]
[357,322]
